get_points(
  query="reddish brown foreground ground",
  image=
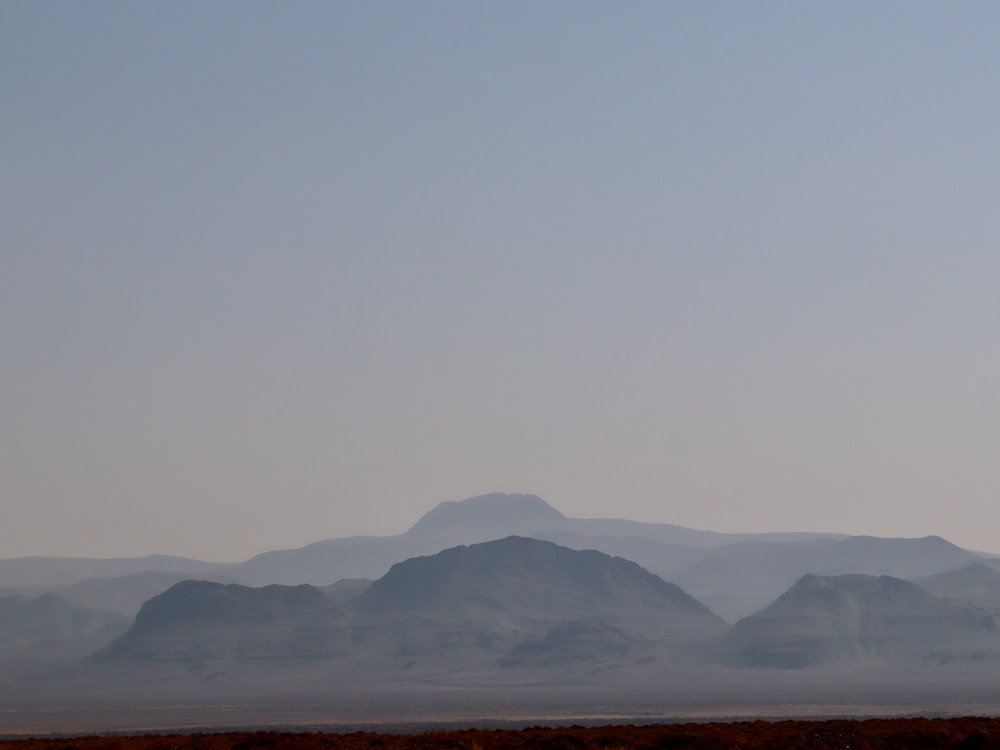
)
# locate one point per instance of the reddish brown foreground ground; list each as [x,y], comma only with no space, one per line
[911,734]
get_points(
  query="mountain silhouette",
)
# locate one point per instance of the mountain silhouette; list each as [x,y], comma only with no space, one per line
[487,517]
[226,604]
[198,620]
[524,604]
[827,619]
[977,583]
[738,579]
[508,603]
[448,524]
[733,574]
[519,575]
[64,571]
[661,548]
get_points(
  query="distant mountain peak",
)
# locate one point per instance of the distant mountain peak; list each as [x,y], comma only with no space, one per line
[489,516]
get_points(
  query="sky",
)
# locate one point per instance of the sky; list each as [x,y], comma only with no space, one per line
[272,273]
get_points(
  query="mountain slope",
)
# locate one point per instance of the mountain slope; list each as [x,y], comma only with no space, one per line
[520,602]
[448,524]
[738,579]
[521,575]
[125,594]
[65,571]
[823,620]
[203,620]
[515,603]
[663,548]
[977,583]
[479,519]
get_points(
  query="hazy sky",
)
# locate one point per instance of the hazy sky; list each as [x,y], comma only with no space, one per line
[278,272]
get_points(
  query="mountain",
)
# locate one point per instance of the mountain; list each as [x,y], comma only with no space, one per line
[29,622]
[450,523]
[479,519]
[122,594]
[977,583]
[199,620]
[663,548]
[519,575]
[530,603]
[738,579]
[346,589]
[65,571]
[734,574]
[520,619]
[506,604]
[831,619]
[322,563]
[226,604]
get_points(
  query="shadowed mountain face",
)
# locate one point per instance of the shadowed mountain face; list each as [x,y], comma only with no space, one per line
[520,575]
[219,604]
[198,620]
[515,613]
[525,602]
[507,603]
[830,619]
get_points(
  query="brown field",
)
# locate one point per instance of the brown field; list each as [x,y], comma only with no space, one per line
[873,734]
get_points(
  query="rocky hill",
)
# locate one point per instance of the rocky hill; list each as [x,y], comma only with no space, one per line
[738,579]
[977,583]
[509,603]
[828,619]
[203,620]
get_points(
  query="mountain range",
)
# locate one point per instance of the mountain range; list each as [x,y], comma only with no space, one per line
[881,619]
[734,574]
[558,602]
[467,610]
[525,602]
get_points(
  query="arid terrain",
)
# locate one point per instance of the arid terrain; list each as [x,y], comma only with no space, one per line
[872,734]
[512,631]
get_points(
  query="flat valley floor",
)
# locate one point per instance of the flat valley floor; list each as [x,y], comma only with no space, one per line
[409,712]
[965,733]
